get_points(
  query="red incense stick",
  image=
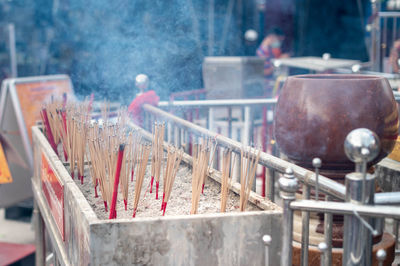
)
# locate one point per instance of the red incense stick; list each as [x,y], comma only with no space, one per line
[113,213]
[48,129]
[151,184]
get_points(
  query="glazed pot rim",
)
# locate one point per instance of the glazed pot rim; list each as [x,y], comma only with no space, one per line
[336,77]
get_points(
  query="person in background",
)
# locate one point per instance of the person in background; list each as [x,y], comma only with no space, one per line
[143,97]
[269,49]
[394,56]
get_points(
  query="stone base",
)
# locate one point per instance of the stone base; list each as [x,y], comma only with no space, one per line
[387,243]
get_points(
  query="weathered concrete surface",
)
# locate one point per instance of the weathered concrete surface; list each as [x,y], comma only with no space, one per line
[216,239]
[212,239]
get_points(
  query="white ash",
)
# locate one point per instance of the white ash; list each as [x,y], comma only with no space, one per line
[178,204]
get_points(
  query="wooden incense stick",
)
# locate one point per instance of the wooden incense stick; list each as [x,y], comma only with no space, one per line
[140,172]
[226,177]
[248,167]
[174,158]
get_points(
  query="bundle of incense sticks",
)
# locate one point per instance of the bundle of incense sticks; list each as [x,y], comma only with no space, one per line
[129,163]
[201,160]
[226,177]
[103,144]
[75,119]
[157,155]
[143,157]
[55,122]
[174,158]
[248,167]
[52,123]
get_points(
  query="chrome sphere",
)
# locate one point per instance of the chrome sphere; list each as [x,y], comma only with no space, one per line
[251,35]
[361,144]
[142,81]
[381,255]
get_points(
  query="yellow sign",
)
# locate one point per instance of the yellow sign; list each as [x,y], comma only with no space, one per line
[5,174]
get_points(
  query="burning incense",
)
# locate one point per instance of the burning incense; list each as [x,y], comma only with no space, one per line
[113,212]
[201,161]
[174,158]
[144,152]
[157,155]
[248,167]
[226,177]
[49,132]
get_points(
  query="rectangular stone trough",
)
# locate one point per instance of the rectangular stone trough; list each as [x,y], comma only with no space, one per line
[79,237]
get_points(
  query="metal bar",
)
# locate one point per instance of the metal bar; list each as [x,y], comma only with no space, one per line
[211,28]
[288,187]
[384,44]
[305,229]
[396,232]
[389,14]
[387,198]
[218,103]
[13,52]
[345,208]
[271,184]
[286,255]
[246,127]
[326,185]
[211,119]
[267,242]
[328,236]
[39,238]
[230,122]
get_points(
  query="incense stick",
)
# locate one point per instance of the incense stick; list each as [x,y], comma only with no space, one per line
[174,158]
[248,167]
[226,177]
[144,152]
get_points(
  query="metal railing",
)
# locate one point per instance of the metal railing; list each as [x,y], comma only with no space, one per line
[247,120]
[358,210]
[180,131]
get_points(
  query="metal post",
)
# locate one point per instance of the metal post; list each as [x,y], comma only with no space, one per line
[361,146]
[13,52]
[246,127]
[381,256]
[323,248]
[305,229]
[271,184]
[396,231]
[267,242]
[328,236]
[39,236]
[375,55]
[211,119]
[288,186]
[211,28]
[357,247]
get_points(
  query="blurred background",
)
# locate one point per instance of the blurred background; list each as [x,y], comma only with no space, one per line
[103,44]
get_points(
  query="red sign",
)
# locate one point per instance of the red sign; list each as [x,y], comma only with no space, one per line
[54,192]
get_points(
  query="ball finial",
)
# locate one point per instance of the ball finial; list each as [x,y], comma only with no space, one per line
[288,184]
[381,255]
[322,246]
[142,82]
[361,144]
[267,239]
[316,162]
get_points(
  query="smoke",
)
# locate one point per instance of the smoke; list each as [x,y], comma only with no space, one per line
[113,41]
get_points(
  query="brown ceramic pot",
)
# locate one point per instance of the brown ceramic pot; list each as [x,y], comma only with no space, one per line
[315,113]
